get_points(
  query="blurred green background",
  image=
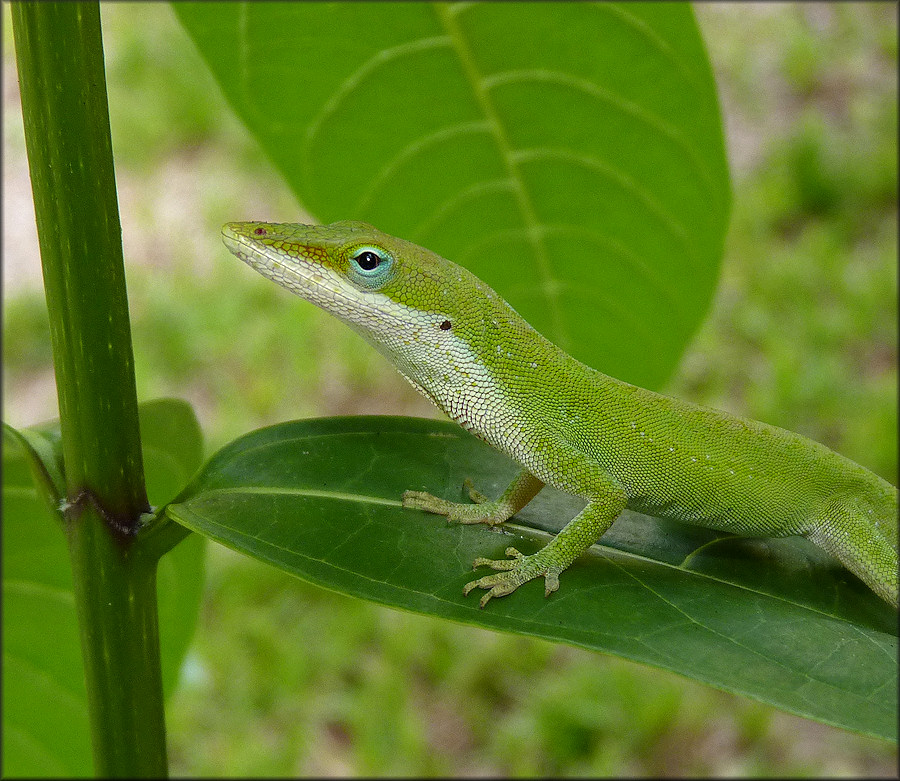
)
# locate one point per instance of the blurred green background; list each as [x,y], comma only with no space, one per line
[286,679]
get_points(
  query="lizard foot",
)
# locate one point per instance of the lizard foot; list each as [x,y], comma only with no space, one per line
[482,511]
[513,573]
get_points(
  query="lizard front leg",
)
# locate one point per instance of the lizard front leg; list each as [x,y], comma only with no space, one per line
[575,538]
[520,492]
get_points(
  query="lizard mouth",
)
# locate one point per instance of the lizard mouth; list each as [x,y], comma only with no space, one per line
[305,277]
[297,273]
[236,244]
[254,253]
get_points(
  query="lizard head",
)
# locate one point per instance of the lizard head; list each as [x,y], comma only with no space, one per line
[349,268]
[406,300]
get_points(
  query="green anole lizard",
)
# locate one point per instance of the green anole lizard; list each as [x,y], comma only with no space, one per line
[567,425]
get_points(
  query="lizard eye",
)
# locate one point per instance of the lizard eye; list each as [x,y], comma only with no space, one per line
[370,267]
[367,260]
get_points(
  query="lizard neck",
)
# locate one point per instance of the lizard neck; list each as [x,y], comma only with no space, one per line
[487,371]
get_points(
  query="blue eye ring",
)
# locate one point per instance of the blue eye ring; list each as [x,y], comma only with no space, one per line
[370,267]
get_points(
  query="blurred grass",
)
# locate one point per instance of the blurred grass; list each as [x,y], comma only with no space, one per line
[286,679]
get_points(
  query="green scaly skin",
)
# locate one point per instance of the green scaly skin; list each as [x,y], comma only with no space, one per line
[614,444]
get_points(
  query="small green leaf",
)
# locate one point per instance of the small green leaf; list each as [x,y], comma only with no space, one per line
[776,620]
[45,722]
[569,154]
[42,451]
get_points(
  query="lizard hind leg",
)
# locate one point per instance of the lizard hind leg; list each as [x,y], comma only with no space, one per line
[862,545]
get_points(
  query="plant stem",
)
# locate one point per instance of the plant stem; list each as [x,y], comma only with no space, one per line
[59,55]
[117,615]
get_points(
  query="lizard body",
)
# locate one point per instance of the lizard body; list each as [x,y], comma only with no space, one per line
[568,425]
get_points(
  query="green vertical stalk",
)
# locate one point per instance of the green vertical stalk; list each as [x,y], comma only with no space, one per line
[60,63]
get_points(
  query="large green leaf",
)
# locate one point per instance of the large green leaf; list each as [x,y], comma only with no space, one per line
[776,620]
[570,154]
[45,720]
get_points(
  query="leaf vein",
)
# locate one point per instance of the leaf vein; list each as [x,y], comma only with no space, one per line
[408,152]
[604,96]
